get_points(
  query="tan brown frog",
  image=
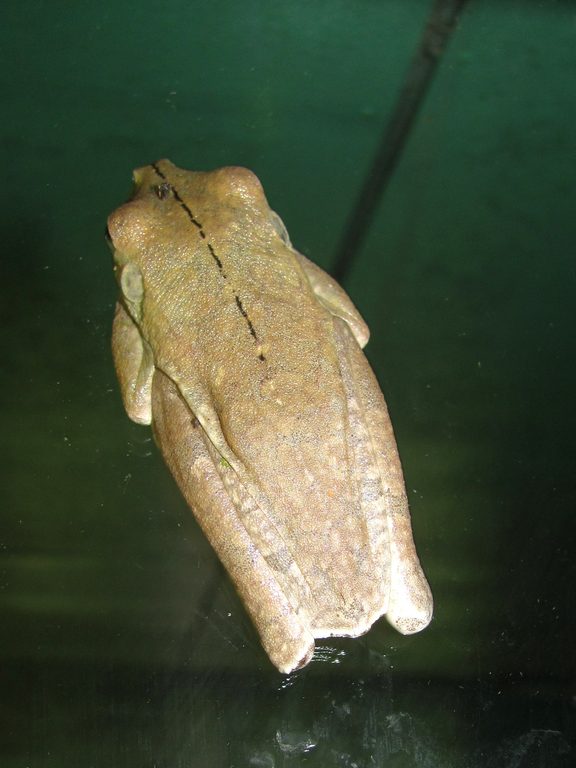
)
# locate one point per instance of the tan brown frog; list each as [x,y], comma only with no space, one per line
[247,360]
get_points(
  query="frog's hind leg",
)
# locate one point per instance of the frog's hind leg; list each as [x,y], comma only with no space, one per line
[410,604]
[282,627]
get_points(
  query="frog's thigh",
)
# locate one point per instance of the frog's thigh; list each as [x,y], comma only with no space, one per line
[410,602]
[285,636]
[133,367]
[334,298]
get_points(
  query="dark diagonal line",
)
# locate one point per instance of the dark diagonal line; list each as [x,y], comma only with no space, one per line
[437,33]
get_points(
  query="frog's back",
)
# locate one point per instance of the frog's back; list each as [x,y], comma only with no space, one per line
[313,497]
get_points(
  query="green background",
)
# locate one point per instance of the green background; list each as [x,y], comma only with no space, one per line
[122,643]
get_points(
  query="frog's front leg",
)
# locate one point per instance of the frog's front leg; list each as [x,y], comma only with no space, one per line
[283,631]
[134,367]
[334,298]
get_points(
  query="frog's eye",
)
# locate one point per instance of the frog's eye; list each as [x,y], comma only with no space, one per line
[108,236]
[132,283]
[162,191]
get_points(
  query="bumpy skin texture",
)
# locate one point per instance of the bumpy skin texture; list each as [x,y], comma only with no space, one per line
[246,359]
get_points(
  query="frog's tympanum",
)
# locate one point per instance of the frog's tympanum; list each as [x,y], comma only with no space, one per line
[247,360]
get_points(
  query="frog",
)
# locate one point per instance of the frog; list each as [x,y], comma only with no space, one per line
[247,360]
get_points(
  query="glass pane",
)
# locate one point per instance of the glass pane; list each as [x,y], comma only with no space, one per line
[122,640]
